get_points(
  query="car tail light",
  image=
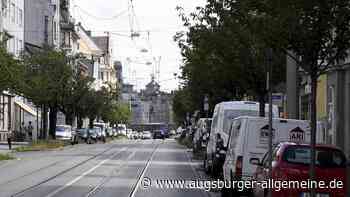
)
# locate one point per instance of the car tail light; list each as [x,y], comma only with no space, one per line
[239,165]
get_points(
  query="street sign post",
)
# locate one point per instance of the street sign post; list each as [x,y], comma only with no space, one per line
[206,106]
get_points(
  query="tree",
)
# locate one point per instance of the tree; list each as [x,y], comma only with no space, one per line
[316,34]
[77,90]
[47,75]
[182,103]
[11,72]
[223,57]
[118,113]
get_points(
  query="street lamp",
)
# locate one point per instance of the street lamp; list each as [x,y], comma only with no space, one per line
[269,89]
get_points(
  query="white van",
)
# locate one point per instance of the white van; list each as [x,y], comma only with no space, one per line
[121,129]
[223,115]
[63,132]
[249,139]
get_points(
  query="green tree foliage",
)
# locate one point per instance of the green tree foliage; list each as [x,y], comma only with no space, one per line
[47,78]
[11,71]
[78,89]
[182,103]
[118,113]
[223,57]
[316,34]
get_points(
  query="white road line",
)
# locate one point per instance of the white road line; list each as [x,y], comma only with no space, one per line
[92,192]
[83,175]
[142,175]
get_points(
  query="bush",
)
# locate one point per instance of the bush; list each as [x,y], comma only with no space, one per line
[42,145]
[5,157]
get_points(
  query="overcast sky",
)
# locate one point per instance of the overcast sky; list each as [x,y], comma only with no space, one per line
[157,16]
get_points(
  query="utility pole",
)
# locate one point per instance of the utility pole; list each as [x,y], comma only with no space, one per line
[269,89]
[206,106]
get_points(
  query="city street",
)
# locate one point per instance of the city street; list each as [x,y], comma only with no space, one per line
[113,169]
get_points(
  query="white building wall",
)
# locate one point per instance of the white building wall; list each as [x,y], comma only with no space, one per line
[13,24]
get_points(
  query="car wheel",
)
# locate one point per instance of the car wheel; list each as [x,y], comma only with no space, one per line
[225,192]
[266,193]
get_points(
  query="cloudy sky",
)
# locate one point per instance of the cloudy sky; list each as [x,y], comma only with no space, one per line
[158,17]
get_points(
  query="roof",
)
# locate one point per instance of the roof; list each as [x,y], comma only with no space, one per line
[101,42]
[89,41]
[308,145]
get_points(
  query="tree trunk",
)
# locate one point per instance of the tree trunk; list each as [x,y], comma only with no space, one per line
[91,123]
[262,102]
[69,118]
[44,120]
[313,129]
[79,122]
[53,121]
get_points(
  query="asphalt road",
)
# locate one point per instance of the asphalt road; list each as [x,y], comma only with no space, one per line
[117,169]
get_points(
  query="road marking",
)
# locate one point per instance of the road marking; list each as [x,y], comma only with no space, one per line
[143,173]
[93,191]
[83,175]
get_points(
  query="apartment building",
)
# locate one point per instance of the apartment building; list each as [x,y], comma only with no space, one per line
[12,25]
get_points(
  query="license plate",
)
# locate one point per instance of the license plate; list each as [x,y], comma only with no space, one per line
[317,195]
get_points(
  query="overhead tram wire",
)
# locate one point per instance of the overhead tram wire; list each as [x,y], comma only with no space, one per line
[102,18]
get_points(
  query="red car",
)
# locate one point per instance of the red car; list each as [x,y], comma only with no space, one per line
[291,163]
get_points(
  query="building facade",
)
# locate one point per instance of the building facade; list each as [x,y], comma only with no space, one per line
[333,102]
[338,106]
[12,27]
[107,73]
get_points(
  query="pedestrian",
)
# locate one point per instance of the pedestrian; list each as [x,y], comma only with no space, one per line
[30,130]
[9,140]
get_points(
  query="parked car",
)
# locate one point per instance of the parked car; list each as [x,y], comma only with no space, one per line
[158,134]
[146,135]
[199,134]
[93,134]
[83,134]
[248,138]
[223,115]
[206,132]
[109,132]
[86,135]
[101,135]
[134,135]
[122,129]
[103,127]
[179,130]
[172,132]
[115,131]
[292,161]
[64,132]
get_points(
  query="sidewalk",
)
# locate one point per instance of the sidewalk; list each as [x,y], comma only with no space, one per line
[4,148]
[14,143]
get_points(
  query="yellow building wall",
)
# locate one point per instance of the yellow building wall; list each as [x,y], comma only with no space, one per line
[83,47]
[321,101]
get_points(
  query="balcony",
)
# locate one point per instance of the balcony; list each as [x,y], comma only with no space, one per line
[64,4]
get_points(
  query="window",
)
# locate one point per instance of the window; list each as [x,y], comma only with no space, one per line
[20,17]
[265,160]
[46,30]
[13,47]
[325,157]
[54,31]
[5,8]
[20,46]
[229,115]
[13,13]
[17,47]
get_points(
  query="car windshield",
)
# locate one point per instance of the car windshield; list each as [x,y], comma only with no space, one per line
[82,131]
[229,115]
[60,129]
[325,157]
